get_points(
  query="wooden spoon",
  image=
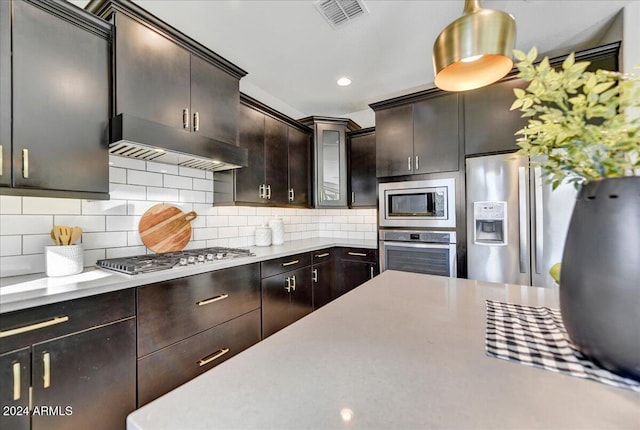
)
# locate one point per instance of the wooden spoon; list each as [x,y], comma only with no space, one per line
[55,236]
[65,234]
[75,234]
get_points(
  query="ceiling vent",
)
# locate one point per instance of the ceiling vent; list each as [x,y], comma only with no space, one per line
[340,12]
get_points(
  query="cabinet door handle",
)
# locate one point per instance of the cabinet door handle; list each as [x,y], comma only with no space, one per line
[314,272]
[353,196]
[287,284]
[206,360]
[324,254]
[31,327]
[291,195]
[196,121]
[357,254]
[409,163]
[25,163]
[212,300]
[293,282]
[46,374]
[185,118]
[371,272]
[417,163]
[16,381]
[290,263]
[261,191]
[268,192]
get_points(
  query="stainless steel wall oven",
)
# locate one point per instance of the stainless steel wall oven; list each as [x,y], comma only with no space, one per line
[420,251]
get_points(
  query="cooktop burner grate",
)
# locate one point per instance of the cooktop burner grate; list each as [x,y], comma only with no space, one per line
[154,262]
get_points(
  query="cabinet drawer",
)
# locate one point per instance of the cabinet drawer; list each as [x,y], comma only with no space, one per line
[285,264]
[168,368]
[29,326]
[358,254]
[323,255]
[173,310]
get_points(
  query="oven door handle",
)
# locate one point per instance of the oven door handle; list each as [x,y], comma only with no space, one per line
[419,245]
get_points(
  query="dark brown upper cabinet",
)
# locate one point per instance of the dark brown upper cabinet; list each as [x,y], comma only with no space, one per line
[54,100]
[417,134]
[361,148]
[279,158]
[161,75]
[330,159]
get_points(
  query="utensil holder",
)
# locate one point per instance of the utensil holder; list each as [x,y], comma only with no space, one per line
[277,227]
[63,260]
[263,236]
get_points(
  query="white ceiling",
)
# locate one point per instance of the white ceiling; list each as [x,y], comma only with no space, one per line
[294,57]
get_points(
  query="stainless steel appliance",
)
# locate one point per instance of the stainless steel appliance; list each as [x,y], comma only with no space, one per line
[420,251]
[516,224]
[153,262]
[427,203]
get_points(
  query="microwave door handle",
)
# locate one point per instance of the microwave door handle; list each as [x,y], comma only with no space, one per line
[522,218]
[538,213]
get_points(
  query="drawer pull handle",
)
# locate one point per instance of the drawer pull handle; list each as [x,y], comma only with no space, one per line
[325,254]
[37,326]
[212,299]
[210,358]
[16,381]
[46,375]
[290,263]
[358,254]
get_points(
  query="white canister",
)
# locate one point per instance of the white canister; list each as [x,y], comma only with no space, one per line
[277,227]
[263,236]
[63,260]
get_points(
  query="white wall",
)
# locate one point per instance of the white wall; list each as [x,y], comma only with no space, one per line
[111,226]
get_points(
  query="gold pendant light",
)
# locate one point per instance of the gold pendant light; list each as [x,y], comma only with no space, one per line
[475,49]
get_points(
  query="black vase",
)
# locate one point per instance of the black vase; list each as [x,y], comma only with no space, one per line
[600,276]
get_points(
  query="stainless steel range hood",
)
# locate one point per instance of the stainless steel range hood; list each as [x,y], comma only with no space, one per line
[133,137]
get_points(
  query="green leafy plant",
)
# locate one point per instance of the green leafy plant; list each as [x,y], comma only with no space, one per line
[578,119]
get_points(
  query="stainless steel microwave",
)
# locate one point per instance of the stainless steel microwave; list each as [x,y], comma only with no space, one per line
[427,204]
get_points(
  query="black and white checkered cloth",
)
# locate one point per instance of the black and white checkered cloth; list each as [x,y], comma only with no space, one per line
[536,336]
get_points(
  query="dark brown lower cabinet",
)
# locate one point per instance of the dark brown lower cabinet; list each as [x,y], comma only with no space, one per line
[354,266]
[15,377]
[166,369]
[323,276]
[286,297]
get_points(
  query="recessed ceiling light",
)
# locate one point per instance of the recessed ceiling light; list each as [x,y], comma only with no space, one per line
[344,81]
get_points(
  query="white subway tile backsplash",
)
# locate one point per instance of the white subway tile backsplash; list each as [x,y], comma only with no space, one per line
[227,232]
[126,251]
[192,196]
[126,163]
[139,207]
[257,219]
[217,221]
[117,175]
[25,224]
[112,239]
[104,207]
[245,210]
[249,230]
[218,242]
[365,227]
[264,211]
[133,238]
[50,206]
[163,194]
[371,235]
[238,242]
[85,222]
[340,219]
[190,171]
[204,209]
[356,235]
[358,219]
[137,177]
[10,205]
[10,245]
[91,256]
[238,220]
[203,184]
[152,166]
[181,182]
[20,264]
[122,223]
[127,192]
[228,210]
[205,233]
[35,243]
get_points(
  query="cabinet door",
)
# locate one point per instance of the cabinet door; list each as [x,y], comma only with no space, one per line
[60,103]
[394,141]
[435,134]
[248,180]
[215,97]
[275,304]
[299,171]
[323,279]
[15,376]
[89,377]
[350,274]
[489,125]
[152,74]
[5,93]
[301,294]
[276,165]
[362,171]
[331,166]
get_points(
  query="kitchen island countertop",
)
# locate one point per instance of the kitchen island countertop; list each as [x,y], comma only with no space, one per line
[22,292]
[402,351]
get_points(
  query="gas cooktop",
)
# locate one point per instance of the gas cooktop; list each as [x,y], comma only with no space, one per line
[154,262]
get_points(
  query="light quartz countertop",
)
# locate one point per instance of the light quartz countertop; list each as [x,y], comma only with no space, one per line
[22,292]
[402,351]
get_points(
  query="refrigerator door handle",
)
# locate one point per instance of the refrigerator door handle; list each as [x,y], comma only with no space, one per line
[538,211]
[522,218]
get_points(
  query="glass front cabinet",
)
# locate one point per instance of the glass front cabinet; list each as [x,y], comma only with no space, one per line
[330,156]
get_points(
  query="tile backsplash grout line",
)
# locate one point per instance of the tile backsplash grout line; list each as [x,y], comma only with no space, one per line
[111,225]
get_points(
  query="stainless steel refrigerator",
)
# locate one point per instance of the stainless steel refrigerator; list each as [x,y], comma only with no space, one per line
[516,223]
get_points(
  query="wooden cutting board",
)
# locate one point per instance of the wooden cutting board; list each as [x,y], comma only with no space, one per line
[165,228]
